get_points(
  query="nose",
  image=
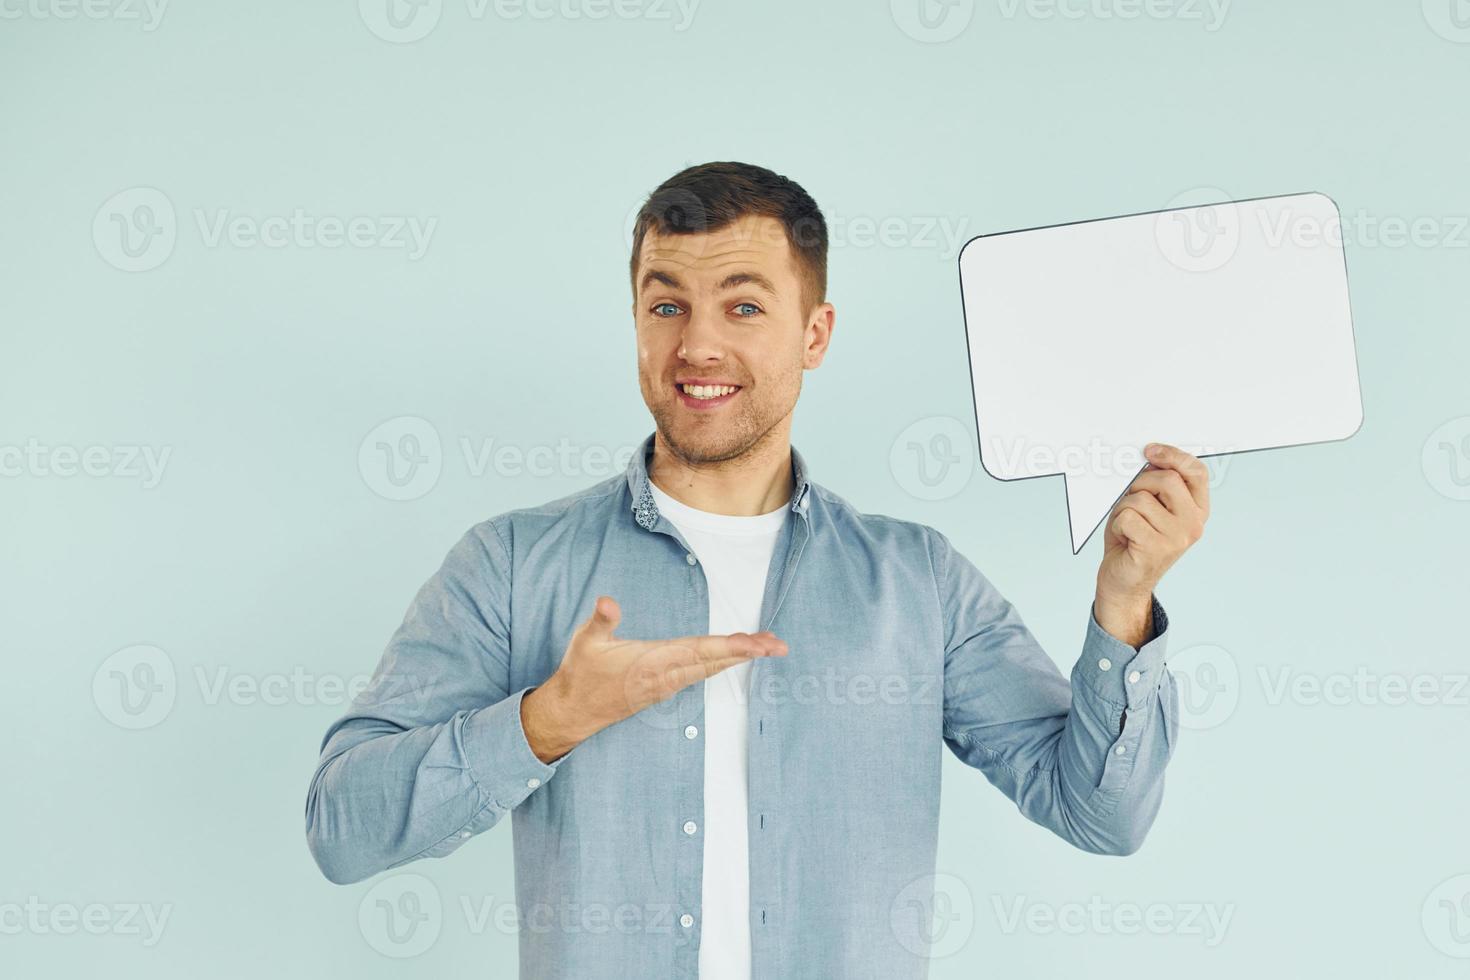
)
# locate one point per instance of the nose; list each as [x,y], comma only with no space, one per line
[702,340]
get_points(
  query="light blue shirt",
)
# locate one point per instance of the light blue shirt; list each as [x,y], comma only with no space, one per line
[897,645]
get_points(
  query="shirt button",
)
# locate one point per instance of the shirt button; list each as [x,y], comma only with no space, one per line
[691,731]
[686,920]
[1121,749]
[533,782]
[1133,677]
[689,558]
[689,827]
[1104,664]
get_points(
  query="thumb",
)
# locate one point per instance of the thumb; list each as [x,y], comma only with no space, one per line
[604,619]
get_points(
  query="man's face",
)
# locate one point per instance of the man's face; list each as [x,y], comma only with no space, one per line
[723,309]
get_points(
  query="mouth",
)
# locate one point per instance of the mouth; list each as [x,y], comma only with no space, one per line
[704,396]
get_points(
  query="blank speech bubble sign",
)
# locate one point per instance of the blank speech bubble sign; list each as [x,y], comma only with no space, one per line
[1218,329]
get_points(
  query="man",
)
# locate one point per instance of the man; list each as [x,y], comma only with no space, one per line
[710,692]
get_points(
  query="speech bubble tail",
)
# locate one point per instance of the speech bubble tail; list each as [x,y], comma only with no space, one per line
[1090,496]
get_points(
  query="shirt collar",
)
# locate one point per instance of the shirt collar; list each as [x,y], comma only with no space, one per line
[645,510]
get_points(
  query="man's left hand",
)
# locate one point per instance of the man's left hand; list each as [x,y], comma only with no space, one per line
[1161,515]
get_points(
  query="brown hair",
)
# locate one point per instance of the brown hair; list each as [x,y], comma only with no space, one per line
[710,196]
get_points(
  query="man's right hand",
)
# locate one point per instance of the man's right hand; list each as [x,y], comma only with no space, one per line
[603,679]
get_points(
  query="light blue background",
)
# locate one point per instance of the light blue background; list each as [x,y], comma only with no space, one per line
[1328,833]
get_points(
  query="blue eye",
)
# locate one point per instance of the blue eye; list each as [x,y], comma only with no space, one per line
[754,310]
[665,310]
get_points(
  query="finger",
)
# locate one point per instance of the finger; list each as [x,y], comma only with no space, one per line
[742,644]
[1150,509]
[1169,487]
[1130,525]
[1195,474]
[606,614]
[691,673]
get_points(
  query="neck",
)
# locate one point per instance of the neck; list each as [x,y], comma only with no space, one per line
[757,481]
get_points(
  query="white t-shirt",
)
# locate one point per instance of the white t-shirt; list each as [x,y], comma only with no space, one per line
[736,555]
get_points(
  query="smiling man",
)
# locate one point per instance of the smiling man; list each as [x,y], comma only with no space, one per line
[711,693]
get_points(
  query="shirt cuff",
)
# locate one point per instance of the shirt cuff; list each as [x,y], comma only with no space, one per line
[499,755]
[1115,671]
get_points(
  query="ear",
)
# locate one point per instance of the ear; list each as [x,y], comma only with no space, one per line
[818,335]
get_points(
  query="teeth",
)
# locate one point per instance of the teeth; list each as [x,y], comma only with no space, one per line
[707,391]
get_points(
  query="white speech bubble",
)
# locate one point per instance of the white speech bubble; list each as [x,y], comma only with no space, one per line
[1088,341]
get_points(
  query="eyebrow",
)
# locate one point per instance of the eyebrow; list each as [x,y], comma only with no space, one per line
[729,282]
